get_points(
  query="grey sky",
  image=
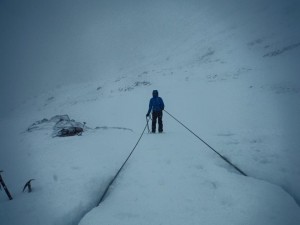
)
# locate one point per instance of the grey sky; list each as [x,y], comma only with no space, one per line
[48,43]
[45,43]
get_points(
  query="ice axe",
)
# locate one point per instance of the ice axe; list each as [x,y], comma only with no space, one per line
[28,185]
[4,186]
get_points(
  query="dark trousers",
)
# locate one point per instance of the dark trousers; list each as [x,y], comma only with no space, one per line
[157,116]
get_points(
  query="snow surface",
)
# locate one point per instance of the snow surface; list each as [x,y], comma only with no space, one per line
[229,73]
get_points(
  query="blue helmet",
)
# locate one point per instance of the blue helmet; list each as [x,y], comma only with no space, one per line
[155,93]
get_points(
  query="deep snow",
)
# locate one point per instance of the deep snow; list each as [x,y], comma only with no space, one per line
[229,73]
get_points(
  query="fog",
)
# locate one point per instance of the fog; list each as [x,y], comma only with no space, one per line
[45,44]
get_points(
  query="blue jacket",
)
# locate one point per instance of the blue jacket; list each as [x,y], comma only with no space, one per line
[156,103]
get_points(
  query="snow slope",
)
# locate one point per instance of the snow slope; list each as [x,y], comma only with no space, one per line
[229,73]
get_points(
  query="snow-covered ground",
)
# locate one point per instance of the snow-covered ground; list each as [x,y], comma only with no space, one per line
[228,70]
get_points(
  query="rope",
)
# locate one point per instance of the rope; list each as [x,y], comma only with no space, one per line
[116,175]
[147,120]
[223,157]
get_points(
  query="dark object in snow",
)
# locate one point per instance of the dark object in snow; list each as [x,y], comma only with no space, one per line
[4,186]
[62,126]
[70,131]
[65,127]
[28,185]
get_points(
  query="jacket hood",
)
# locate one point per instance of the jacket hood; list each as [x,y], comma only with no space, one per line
[155,93]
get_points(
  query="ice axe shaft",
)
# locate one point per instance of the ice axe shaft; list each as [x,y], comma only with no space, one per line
[4,187]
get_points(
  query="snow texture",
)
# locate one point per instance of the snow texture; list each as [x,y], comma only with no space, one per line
[228,70]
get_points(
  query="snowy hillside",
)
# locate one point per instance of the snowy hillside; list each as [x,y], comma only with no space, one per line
[228,70]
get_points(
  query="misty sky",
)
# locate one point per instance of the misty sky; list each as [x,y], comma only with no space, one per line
[44,44]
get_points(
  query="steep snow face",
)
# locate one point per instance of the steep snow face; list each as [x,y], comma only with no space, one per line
[227,69]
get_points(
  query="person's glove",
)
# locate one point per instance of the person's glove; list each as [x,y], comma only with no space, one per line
[147,115]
